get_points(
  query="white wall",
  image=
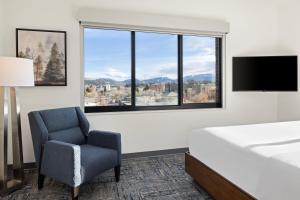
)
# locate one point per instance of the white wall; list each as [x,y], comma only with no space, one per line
[1,27]
[253,31]
[289,40]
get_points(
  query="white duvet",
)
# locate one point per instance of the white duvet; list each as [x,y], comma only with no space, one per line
[262,159]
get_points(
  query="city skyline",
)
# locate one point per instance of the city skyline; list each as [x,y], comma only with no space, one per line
[164,78]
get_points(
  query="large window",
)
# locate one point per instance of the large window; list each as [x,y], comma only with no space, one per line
[128,70]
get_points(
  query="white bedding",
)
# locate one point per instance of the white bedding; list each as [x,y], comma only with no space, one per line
[262,159]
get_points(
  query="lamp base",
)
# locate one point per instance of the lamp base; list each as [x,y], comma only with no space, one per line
[9,185]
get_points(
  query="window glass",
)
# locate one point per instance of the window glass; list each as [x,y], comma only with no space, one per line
[199,69]
[156,69]
[107,61]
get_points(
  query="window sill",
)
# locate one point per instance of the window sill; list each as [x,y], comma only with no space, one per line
[156,109]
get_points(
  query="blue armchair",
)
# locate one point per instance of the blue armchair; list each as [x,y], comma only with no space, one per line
[67,151]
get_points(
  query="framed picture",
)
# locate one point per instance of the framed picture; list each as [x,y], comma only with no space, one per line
[47,49]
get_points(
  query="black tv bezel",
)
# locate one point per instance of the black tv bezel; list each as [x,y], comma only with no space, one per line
[234,90]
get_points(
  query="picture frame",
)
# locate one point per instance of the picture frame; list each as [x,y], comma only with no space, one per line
[48,50]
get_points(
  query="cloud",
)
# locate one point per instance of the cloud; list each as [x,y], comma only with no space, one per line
[199,55]
[208,51]
[199,65]
[111,73]
[196,43]
[192,65]
[116,74]
[105,34]
[194,69]
[167,70]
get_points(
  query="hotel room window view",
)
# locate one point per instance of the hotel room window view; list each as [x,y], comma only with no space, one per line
[148,70]
[149,100]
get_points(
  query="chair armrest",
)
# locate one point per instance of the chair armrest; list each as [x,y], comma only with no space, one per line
[106,139]
[61,161]
[39,133]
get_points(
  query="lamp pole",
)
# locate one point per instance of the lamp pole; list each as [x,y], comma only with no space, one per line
[3,138]
[16,135]
[9,185]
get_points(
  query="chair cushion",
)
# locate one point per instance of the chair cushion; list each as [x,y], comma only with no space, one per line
[72,135]
[95,160]
[60,119]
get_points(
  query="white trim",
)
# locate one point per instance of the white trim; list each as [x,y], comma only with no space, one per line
[161,23]
[82,67]
[223,73]
[148,29]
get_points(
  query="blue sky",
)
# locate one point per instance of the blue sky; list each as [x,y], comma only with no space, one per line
[107,54]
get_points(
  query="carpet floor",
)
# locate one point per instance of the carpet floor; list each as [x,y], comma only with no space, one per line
[156,178]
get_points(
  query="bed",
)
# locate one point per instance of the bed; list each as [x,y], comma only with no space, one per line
[260,161]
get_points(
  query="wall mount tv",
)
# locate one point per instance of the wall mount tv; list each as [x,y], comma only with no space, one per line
[265,73]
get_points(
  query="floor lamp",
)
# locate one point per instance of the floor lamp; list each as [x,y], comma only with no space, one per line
[14,72]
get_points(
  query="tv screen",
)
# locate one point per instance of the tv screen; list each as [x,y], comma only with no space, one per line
[270,73]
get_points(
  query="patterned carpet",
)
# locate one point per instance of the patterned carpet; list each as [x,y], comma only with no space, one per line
[155,178]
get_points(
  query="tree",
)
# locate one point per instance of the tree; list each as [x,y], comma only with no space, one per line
[54,70]
[38,63]
[146,87]
[40,48]
[27,53]
[21,54]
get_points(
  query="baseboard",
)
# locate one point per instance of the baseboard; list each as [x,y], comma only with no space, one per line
[154,153]
[32,165]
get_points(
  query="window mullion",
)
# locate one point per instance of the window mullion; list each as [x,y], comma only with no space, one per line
[219,71]
[180,72]
[133,82]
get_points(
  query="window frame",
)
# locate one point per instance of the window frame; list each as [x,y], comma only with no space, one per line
[220,39]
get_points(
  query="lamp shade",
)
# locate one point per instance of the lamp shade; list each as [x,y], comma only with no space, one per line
[16,72]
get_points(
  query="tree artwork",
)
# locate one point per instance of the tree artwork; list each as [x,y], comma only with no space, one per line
[54,70]
[48,52]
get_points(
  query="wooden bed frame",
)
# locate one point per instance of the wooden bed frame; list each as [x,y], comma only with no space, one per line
[216,185]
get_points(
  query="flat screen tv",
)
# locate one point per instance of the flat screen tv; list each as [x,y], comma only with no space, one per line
[269,73]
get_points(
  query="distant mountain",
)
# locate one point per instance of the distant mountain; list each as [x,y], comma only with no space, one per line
[200,77]
[157,80]
[101,81]
[126,82]
[150,81]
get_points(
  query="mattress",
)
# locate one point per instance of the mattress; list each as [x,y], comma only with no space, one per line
[261,159]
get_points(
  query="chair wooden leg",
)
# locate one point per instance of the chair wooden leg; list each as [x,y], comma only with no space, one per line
[75,193]
[117,173]
[41,179]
